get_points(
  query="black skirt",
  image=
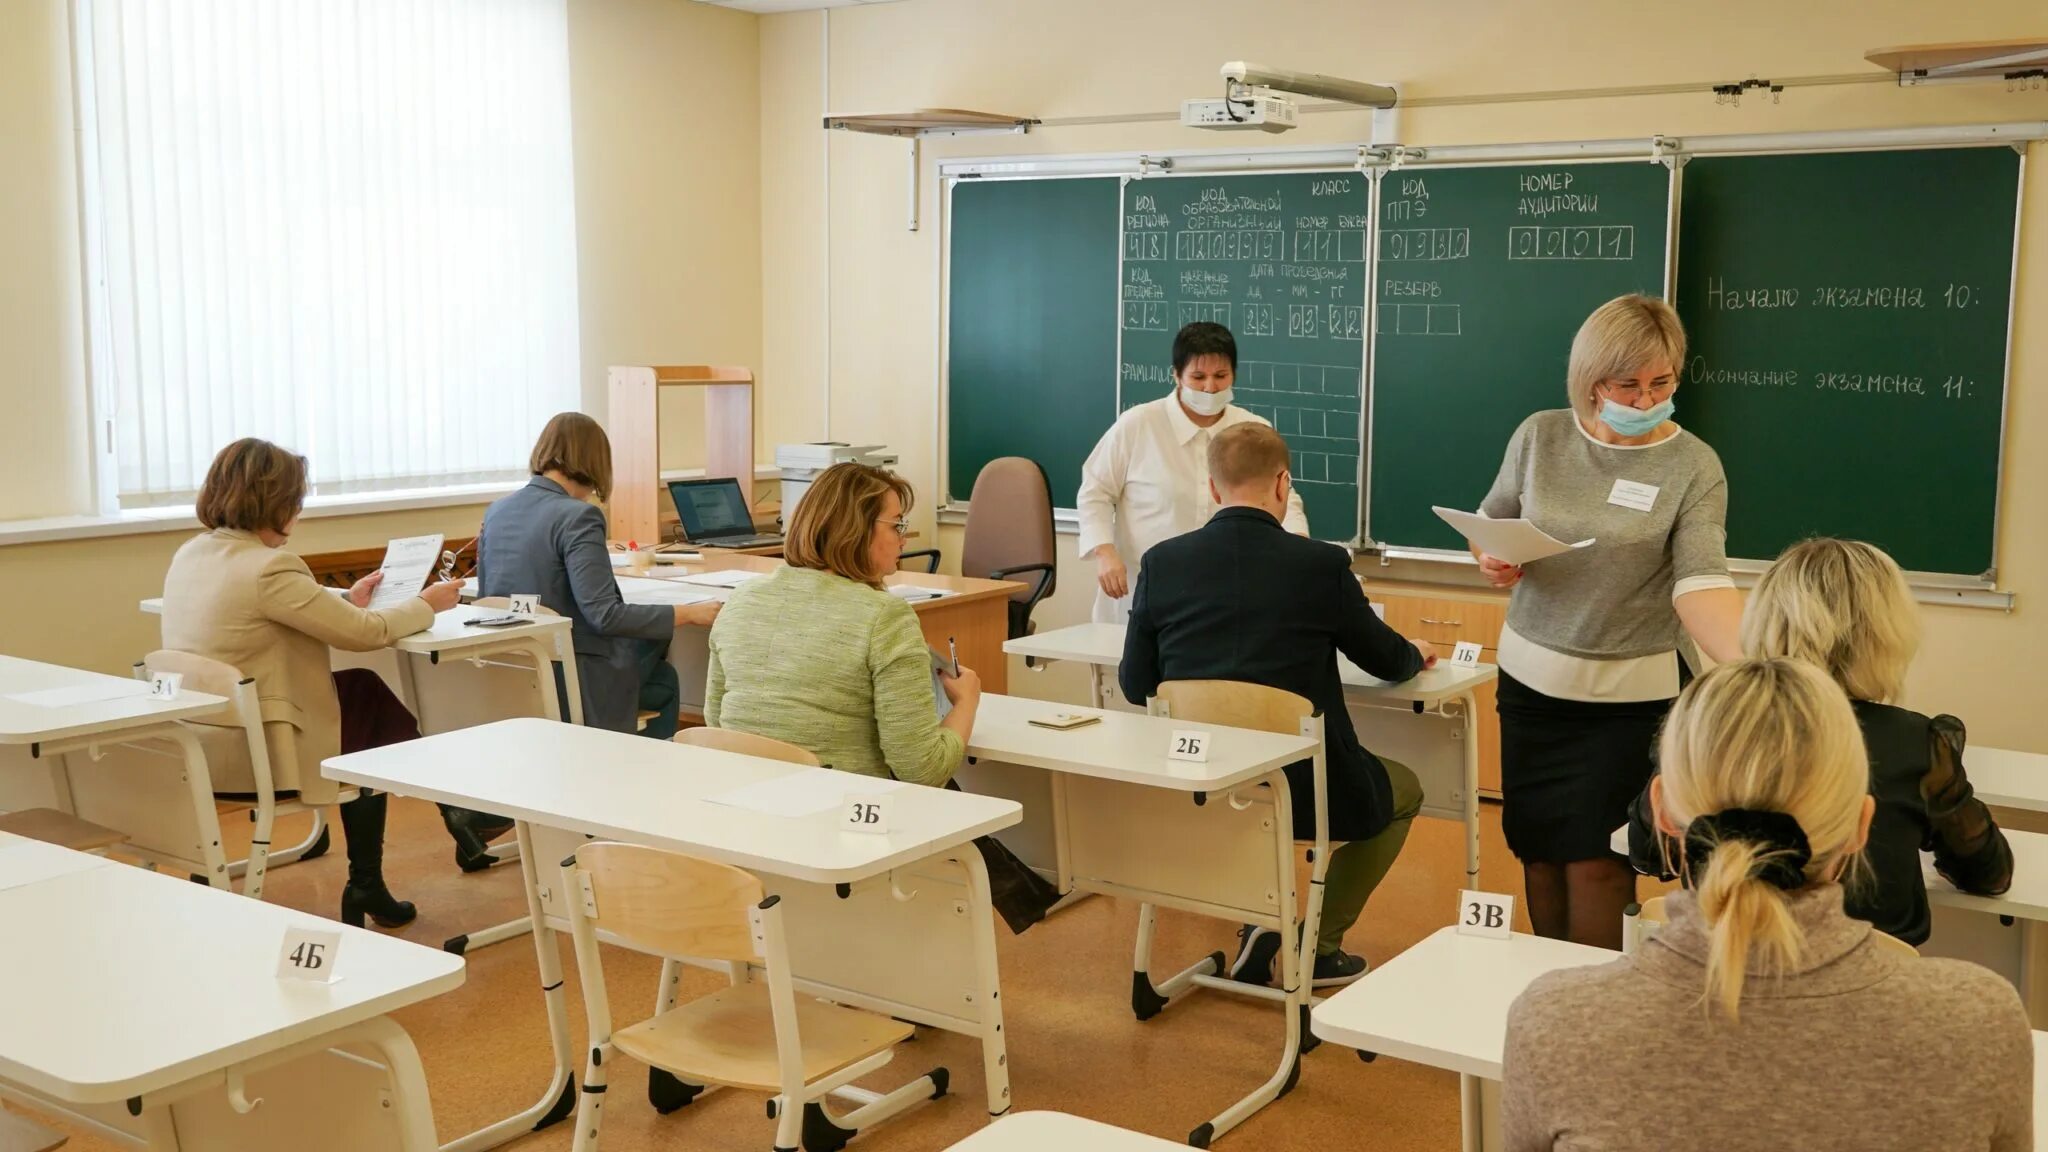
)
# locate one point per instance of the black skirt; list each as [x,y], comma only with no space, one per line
[1569,769]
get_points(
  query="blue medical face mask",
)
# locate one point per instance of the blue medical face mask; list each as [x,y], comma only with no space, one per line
[1635,421]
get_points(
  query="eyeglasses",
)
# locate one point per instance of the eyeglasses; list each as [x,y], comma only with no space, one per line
[902,527]
[1628,391]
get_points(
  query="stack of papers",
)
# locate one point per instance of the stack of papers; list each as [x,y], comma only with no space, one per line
[804,793]
[1514,541]
[730,578]
[916,592]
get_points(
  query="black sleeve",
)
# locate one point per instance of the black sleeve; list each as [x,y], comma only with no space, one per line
[1138,675]
[1365,638]
[1646,845]
[1969,850]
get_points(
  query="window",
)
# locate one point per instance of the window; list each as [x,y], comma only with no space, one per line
[348,227]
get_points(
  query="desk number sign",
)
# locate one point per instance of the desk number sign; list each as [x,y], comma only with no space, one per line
[309,954]
[165,685]
[1189,745]
[525,605]
[1466,654]
[867,812]
[1488,914]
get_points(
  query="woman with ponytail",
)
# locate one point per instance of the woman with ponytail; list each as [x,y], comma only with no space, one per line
[1762,1015]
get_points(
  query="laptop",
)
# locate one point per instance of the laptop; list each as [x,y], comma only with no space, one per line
[715,514]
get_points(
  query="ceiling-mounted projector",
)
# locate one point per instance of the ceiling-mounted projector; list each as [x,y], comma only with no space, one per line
[1262,111]
[1253,98]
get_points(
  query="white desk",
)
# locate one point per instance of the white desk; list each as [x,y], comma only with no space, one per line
[1444,1003]
[144,996]
[565,782]
[2006,779]
[454,675]
[1216,839]
[1429,723]
[112,788]
[1047,1131]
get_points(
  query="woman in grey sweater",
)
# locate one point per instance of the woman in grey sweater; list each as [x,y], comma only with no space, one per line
[1762,1016]
[1589,655]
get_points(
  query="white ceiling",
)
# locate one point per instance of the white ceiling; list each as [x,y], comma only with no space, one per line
[766,7]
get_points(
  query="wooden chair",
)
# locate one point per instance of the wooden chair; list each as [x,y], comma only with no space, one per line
[746,744]
[18,1133]
[1227,703]
[238,743]
[52,826]
[756,1034]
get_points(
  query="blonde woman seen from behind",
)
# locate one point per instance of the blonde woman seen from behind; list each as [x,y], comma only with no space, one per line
[1844,606]
[1762,1014]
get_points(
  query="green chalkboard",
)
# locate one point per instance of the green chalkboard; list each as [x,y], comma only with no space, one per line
[1848,315]
[1031,362]
[1484,275]
[1280,261]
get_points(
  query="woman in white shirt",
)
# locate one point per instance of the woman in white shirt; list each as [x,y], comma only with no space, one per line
[1148,478]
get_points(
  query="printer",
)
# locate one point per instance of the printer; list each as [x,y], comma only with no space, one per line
[802,463]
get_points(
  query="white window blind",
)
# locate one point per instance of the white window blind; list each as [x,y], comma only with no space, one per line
[344,225]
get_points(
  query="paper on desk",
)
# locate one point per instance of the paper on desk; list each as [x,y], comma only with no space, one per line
[666,592]
[1515,541]
[408,561]
[90,693]
[804,793]
[729,578]
[24,862]
[916,592]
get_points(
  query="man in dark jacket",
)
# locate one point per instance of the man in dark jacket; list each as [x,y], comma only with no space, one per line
[1243,599]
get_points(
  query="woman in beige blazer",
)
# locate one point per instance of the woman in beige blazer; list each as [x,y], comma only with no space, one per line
[235,595]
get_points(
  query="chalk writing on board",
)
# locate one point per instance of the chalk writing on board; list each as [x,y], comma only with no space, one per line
[1868,296]
[1572,242]
[1315,407]
[1233,245]
[1258,320]
[1698,371]
[1425,243]
[1188,312]
[1720,297]
[1544,193]
[1420,320]
[1145,315]
[1135,373]
[1144,245]
[1876,383]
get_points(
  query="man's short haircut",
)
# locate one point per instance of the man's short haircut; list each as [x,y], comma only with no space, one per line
[1203,338]
[1246,453]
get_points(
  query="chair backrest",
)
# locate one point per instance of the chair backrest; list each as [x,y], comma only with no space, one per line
[504,604]
[201,674]
[1640,923]
[746,744]
[1009,522]
[666,902]
[1235,705]
[1889,942]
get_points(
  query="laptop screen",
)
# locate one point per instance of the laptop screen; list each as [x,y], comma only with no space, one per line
[711,508]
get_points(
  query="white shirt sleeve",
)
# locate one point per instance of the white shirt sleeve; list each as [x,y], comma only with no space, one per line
[1296,520]
[1102,485]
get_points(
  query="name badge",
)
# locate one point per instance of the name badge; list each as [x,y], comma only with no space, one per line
[1629,494]
[867,812]
[309,954]
[1488,914]
[1187,745]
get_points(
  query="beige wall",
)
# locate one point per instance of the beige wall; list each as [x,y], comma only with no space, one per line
[668,236]
[44,466]
[1091,58]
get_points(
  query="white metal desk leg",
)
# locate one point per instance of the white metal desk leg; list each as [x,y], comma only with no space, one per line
[1472,1112]
[409,1102]
[1095,694]
[559,1098]
[199,782]
[1470,706]
[981,924]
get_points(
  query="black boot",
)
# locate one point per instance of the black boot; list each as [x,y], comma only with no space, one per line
[362,825]
[473,833]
